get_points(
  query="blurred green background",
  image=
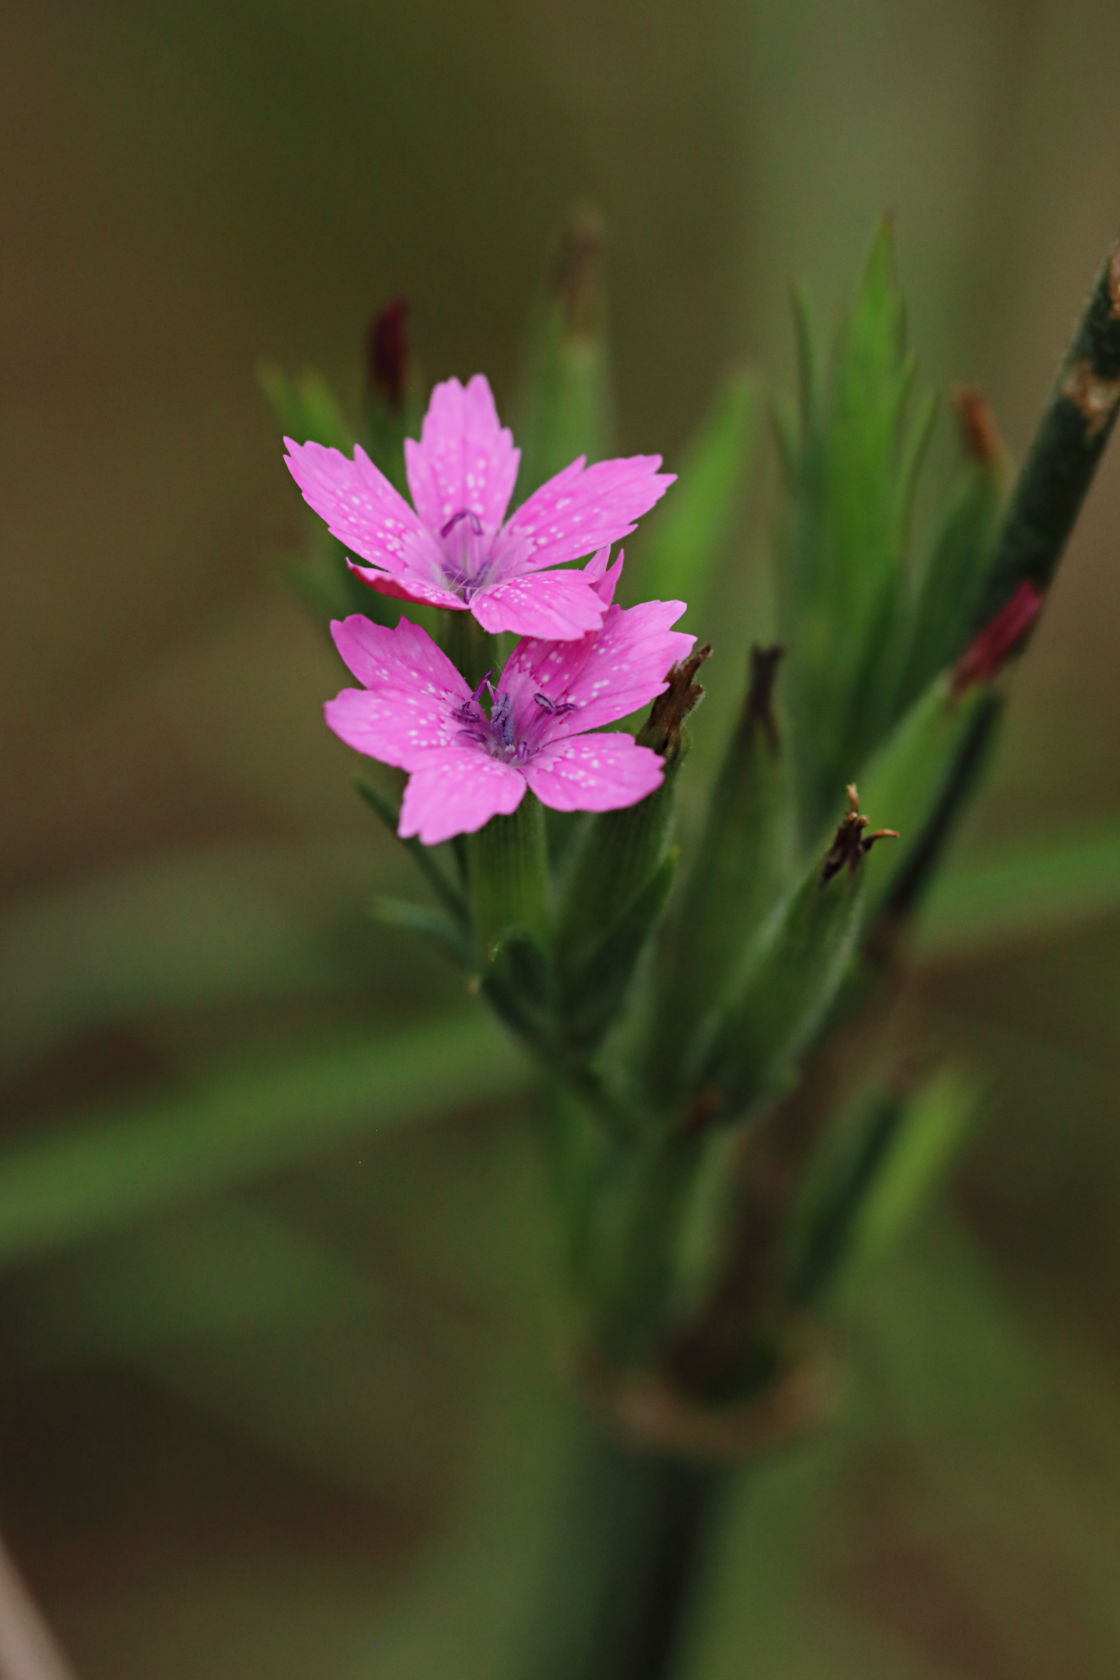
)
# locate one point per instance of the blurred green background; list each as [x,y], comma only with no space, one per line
[278,1393]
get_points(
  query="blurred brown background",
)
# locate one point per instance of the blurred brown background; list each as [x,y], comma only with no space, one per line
[360,1488]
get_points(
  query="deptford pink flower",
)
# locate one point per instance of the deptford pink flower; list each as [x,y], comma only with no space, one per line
[456,548]
[472,755]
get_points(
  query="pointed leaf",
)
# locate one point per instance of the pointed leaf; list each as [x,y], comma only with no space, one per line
[692,535]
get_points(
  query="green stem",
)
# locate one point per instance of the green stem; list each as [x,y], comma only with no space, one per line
[508,866]
[469,648]
[630,1557]
[1063,457]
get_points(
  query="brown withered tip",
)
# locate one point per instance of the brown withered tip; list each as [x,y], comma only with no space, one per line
[979,432]
[990,649]
[851,842]
[387,353]
[662,729]
[576,276]
[1095,397]
[760,694]
[1114,280]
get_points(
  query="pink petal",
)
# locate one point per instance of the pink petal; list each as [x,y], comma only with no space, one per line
[581,509]
[407,588]
[405,657]
[594,773]
[604,578]
[405,711]
[606,676]
[363,510]
[465,457]
[391,725]
[457,792]
[558,606]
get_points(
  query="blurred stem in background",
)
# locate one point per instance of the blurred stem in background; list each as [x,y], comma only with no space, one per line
[28,1649]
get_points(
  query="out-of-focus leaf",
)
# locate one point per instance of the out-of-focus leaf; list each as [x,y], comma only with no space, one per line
[218,1271]
[448,935]
[952,579]
[566,406]
[306,407]
[389,810]
[922,1145]
[851,477]
[879,1163]
[196,927]
[692,534]
[908,779]
[1026,887]
[243,1121]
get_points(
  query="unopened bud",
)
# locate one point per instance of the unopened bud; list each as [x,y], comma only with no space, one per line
[387,354]
[990,649]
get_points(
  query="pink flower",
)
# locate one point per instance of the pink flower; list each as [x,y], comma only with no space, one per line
[471,756]
[457,549]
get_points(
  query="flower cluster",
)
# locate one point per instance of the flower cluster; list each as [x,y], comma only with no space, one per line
[583,661]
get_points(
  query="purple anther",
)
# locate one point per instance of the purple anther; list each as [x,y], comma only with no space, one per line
[463,513]
[554,708]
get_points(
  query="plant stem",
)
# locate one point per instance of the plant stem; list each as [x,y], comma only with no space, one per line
[28,1650]
[630,1556]
[509,875]
[1063,457]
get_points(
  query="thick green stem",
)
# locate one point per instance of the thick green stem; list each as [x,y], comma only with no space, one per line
[1063,457]
[509,876]
[629,1559]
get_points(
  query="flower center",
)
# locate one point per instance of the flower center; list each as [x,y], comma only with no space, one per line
[496,733]
[466,552]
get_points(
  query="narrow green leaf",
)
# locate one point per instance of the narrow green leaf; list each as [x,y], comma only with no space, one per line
[619,851]
[741,868]
[125,1162]
[693,532]
[306,407]
[951,577]
[790,979]
[597,997]
[1025,887]
[616,857]
[388,808]
[881,1161]
[445,932]
[905,784]
[922,1146]
[850,480]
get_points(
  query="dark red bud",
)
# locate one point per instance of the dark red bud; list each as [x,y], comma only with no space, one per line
[988,650]
[387,354]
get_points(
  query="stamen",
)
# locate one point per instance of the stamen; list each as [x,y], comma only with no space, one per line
[501,719]
[497,733]
[555,708]
[463,513]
